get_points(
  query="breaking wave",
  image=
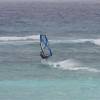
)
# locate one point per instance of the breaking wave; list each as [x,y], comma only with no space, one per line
[69,64]
[16,38]
[94,41]
[35,38]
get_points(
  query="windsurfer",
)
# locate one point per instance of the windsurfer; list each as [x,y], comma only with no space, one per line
[43,56]
[45,52]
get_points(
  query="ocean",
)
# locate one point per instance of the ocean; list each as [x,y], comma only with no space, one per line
[73,30]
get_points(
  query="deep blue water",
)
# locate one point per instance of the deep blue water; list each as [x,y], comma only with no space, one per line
[73,30]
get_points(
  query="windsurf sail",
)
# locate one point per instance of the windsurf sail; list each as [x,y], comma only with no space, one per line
[45,49]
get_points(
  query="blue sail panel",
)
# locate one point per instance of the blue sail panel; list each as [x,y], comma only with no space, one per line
[50,51]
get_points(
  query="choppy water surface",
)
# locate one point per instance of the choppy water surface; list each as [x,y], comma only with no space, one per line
[72,73]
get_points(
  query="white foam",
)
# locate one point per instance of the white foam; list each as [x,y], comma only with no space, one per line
[94,41]
[69,64]
[16,38]
[35,38]
[72,41]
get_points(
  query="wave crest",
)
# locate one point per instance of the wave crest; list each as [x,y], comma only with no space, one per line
[35,38]
[94,41]
[16,38]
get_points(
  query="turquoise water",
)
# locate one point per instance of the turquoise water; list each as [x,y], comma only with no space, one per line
[72,73]
[50,89]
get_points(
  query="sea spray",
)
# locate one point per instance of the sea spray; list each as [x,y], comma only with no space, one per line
[69,64]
